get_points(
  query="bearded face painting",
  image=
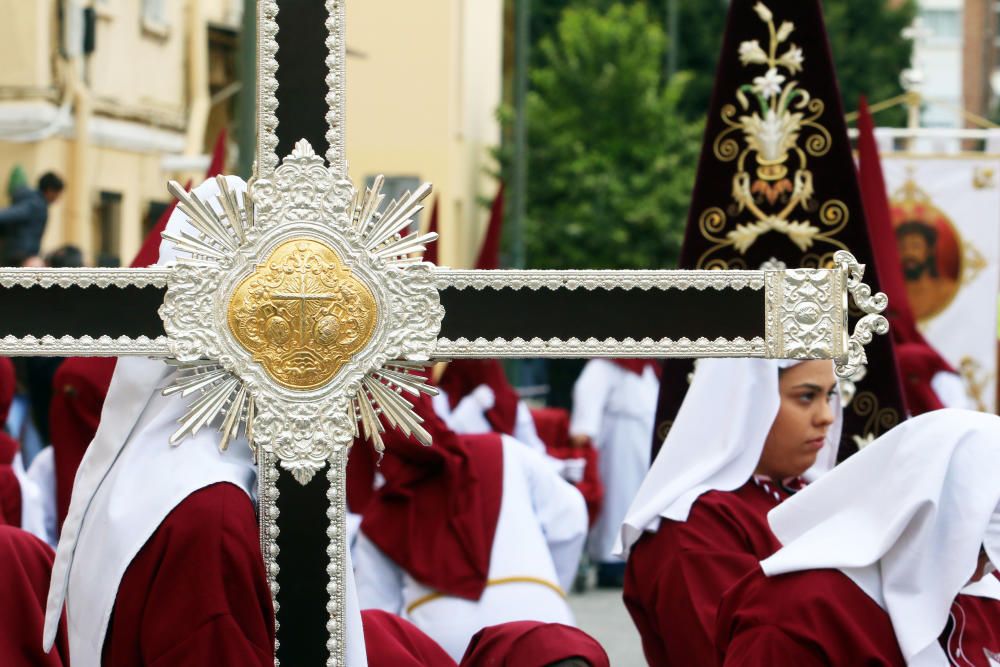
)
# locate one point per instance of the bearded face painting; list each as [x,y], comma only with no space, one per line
[929,253]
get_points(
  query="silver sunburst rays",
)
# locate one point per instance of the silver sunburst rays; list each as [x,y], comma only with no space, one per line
[295,302]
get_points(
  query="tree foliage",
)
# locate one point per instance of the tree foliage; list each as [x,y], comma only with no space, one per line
[611,159]
[868,49]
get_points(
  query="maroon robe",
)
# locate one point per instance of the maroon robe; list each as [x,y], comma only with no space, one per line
[814,617]
[391,641]
[676,576]
[532,644]
[196,593]
[9,447]
[25,569]
[10,497]
[972,637]
[78,391]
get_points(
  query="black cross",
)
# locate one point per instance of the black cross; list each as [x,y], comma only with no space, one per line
[72,311]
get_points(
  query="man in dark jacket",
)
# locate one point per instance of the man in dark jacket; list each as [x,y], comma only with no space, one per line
[23,222]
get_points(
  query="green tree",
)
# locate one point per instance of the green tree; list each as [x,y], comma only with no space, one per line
[611,160]
[868,49]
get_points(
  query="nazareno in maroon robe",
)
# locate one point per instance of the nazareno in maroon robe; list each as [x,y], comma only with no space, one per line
[196,593]
[25,569]
[676,576]
[813,617]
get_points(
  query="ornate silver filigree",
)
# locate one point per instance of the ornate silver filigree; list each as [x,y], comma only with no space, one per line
[869,324]
[84,346]
[592,280]
[303,200]
[267,87]
[806,314]
[336,81]
[336,552]
[267,504]
[84,277]
[593,347]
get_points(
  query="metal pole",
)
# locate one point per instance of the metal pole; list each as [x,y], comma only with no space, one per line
[246,106]
[519,186]
[673,31]
[519,176]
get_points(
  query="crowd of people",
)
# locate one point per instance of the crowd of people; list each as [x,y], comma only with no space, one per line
[741,543]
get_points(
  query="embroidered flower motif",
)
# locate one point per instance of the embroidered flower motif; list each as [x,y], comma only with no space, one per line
[863,441]
[763,12]
[785,30]
[751,53]
[792,59]
[769,85]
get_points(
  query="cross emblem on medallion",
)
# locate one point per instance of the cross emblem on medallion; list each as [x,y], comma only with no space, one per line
[304,336]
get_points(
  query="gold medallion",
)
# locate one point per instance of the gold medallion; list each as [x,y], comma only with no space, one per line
[302,314]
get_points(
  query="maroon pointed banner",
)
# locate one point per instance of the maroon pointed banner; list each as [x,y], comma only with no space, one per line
[776,184]
[917,360]
[431,254]
[489,252]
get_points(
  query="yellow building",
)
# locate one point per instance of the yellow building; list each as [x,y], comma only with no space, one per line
[424,85]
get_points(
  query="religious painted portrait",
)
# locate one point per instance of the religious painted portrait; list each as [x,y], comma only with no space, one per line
[930,254]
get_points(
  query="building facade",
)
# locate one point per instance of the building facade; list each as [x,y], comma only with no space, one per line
[145,104]
[958,56]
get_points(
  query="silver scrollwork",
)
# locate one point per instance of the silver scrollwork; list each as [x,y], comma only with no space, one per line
[873,322]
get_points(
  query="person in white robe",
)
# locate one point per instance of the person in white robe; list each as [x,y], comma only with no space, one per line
[614,408]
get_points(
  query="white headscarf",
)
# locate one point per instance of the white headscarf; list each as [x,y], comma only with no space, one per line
[716,442]
[904,519]
[130,479]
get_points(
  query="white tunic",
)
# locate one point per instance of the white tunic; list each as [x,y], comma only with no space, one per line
[469,417]
[616,409]
[539,537]
[950,391]
[33,514]
[42,472]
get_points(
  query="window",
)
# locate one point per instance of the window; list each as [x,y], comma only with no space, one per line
[108,223]
[153,214]
[944,25]
[154,17]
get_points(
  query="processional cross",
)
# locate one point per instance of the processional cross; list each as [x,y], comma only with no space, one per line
[302,382]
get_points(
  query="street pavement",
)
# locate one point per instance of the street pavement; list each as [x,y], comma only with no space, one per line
[602,614]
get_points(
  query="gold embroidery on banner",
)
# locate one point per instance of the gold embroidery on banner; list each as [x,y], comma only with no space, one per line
[976,380]
[771,137]
[302,314]
[880,420]
[984,178]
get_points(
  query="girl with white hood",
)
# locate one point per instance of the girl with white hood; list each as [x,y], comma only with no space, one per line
[876,554]
[747,434]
